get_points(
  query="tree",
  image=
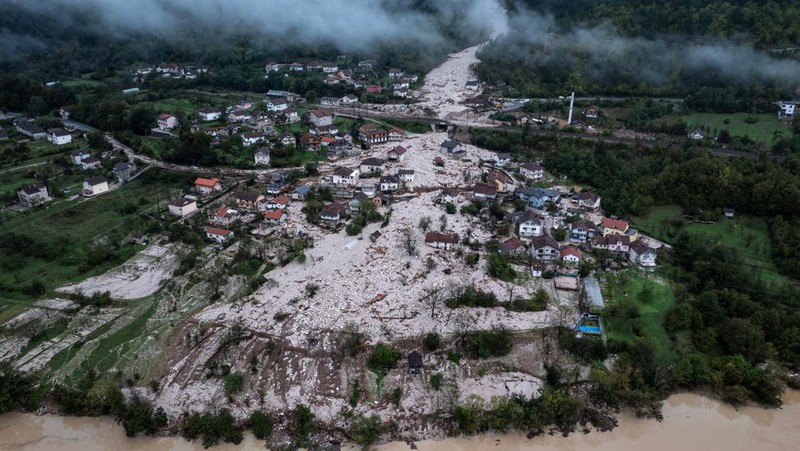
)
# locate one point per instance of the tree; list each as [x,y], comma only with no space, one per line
[432,341]
[141,119]
[409,242]
[261,424]
[433,297]
[302,425]
[425,223]
[366,430]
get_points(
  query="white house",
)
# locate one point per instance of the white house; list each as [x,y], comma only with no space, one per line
[697,134]
[261,156]
[77,156]
[571,255]
[207,186]
[349,99]
[642,254]
[390,183]
[182,206]
[372,165]
[275,104]
[91,163]
[450,147]
[501,159]
[346,176]
[786,109]
[275,217]
[32,131]
[532,171]
[530,225]
[320,118]
[589,201]
[167,121]
[94,186]
[209,114]
[397,134]
[396,154]
[406,176]
[250,138]
[441,240]
[218,235]
[33,194]
[545,248]
[59,136]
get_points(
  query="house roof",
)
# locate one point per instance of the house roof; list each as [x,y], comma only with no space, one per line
[397,130]
[281,199]
[309,138]
[319,113]
[640,247]
[527,216]
[390,179]
[90,161]
[538,265]
[303,189]
[372,161]
[209,110]
[96,180]
[588,197]
[449,144]
[510,245]
[274,214]
[343,172]
[248,196]
[541,241]
[399,150]
[218,231]
[485,189]
[623,240]
[122,166]
[32,188]
[58,131]
[332,209]
[262,151]
[164,116]
[496,174]
[436,237]
[286,135]
[221,212]
[502,156]
[181,202]
[532,167]
[405,172]
[616,224]
[571,250]
[206,182]
[581,224]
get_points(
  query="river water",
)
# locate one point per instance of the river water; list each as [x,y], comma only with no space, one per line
[691,422]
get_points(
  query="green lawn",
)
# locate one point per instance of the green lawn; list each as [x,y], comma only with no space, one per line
[652,298]
[749,235]
[764,130]
[76,227]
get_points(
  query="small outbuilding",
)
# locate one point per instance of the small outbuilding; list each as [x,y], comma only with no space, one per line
[415,362]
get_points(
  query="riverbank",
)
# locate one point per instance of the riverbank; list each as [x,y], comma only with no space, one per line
[691,422]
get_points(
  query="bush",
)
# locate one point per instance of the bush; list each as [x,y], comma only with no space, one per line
[469,296]
[261,424]
[450,208]
[432,341]
[499,268]
[366,430]
[383,358]
[493,343]
[436,381]
[233,383]
[211,428]
[302,425]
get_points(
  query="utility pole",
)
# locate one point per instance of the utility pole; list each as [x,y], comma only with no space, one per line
[571,104]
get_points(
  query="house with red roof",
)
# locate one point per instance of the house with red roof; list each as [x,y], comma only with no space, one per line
[571,255]
[219,235]
[207,186]
[275,217]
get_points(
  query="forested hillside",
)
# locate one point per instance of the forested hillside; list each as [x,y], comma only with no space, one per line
[630,47]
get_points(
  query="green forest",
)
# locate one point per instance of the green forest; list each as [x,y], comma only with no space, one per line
[631,47]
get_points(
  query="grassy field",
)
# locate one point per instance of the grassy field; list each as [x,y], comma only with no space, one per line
[76,227]
[748,235]
[652,298]
[112,348]
[764,130]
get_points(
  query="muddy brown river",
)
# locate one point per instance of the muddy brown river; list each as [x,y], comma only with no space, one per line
[691,422]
